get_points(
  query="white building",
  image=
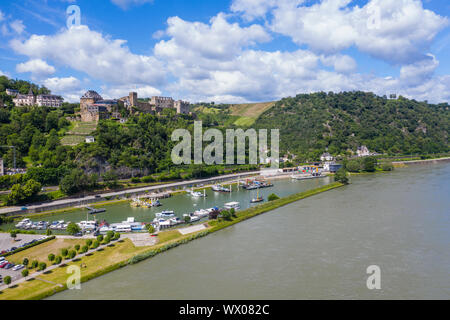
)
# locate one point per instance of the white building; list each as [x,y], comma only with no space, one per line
[49,100]
[326,157]
[363,151]
[90,139]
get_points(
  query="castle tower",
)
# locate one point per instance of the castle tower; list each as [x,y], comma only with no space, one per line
[133,99]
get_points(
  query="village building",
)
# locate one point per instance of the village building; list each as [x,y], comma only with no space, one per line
[42,100]
[90,139]
[363,151]
[326,157]
[12,92]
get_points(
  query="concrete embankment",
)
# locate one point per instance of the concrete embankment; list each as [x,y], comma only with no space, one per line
[414,162]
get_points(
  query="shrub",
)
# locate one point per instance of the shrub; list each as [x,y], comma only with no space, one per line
[34,264]
[73,228]
[84,249]
[25,262]
[341,176]
[7,280]
[58,259]
[88,242]
[64,252]
[95,244]
[151,229]
[116,236]
[353,165]
[72,254]
[99,238]
[273,197]
[42,266]
[51,257]
[135,180]
[110,234]
[387,166]
[25,273]
[77,247]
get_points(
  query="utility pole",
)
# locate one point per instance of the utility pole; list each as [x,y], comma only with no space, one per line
[14,159]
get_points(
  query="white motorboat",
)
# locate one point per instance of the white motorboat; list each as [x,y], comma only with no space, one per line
[165,215]
[232,205]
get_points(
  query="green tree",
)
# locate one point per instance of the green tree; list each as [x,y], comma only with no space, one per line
[25,273]
[88,242]
[13,234]
[117,236]
[58,259]
[273,197]
[341,176]
[48,232]
[353,165]
[7,280]
[64,252]
[95,244]
[73,228]
[51,257]
[25,262]
[369,164]
[42,266]
[72,254]
[151,229]
[100,238]
[84,249]
[77,247]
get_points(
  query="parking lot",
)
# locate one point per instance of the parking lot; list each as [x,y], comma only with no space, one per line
[6,243]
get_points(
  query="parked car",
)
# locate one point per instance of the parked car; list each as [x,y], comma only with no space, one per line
[18,267]
[13,248]
[2,259]
[79,234]
[9,265]
[3,264]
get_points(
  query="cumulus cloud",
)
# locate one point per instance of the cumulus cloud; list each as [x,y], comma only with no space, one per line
[218,40]
[37,67]
[397,31]
[62,85]
[125,4]
[91,52]
[2,16]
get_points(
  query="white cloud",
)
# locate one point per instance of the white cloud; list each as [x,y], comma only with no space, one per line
[340,63]
[419,72]
[2,16]
[218,40]
[98,56]
[62,85]
[397,31]
[17,26]
[125,4]
[251,9]
[37,67]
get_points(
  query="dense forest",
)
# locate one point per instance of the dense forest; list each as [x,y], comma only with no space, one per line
[311,123]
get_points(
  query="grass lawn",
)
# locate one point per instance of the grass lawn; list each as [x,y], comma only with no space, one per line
[168,236]
[71,140]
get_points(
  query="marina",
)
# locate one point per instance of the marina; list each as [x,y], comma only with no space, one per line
[197,208]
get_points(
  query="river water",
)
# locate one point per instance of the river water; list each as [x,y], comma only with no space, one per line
[316,248]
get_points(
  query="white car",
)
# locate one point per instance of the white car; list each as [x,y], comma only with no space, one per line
[18,267]
[2,259]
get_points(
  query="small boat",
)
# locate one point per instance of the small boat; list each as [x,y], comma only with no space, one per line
[165,215]
[257,199]
[193,217]
[232,205]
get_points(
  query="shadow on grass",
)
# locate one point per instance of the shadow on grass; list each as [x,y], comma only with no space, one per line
[89,254]
[76,260]
[48,272]
[101,249]
[111,245]
[31,279]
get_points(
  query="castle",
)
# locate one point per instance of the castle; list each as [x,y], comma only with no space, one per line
[94,108]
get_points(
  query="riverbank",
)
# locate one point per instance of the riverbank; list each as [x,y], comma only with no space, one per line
[168,239]
[414,162]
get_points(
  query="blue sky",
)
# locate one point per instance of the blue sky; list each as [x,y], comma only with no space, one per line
[229,51]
